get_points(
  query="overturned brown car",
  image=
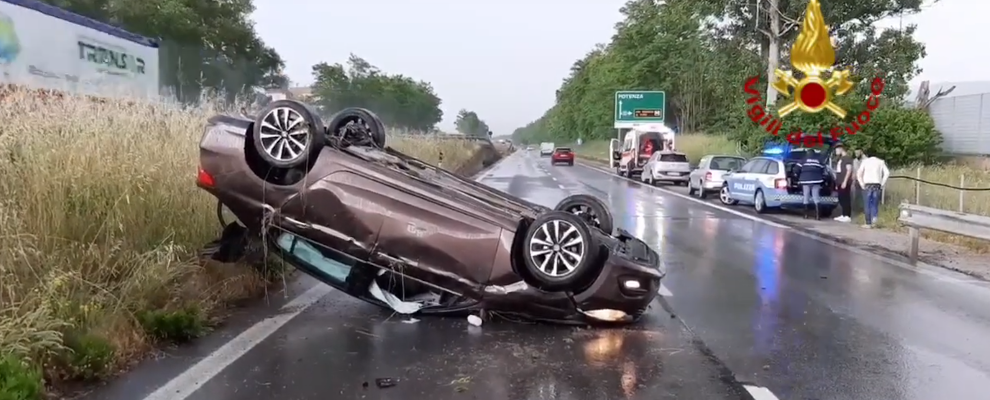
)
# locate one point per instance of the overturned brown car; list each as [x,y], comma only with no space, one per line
[333,201]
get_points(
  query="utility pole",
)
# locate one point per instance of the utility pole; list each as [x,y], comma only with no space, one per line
[773,53]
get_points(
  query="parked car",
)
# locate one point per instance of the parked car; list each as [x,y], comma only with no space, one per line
[707,178]
[336,203]
[666,166]
[770,182]
[562,155]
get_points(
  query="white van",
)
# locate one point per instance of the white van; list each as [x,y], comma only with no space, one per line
[546,149]
[638,144]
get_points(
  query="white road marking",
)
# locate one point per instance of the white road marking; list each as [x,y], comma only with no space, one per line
[760,393]
[664,291]
[929,270]
[183,385]
[561,186]
[552,177]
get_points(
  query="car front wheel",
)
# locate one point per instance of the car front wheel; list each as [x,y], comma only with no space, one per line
[723,196]
[287,133]
[559,252]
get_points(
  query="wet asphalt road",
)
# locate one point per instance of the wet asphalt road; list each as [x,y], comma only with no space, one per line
[754,303]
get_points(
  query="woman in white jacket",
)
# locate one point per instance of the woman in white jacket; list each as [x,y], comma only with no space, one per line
[872,176]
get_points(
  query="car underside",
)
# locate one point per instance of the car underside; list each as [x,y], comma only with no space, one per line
[334,202]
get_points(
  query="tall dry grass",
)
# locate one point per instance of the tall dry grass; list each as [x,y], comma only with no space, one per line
[100,221]
[898,189]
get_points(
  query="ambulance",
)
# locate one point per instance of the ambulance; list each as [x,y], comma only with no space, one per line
[637,145]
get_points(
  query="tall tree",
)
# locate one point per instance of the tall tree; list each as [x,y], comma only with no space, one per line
[468,123]
[700,53]
[399,100]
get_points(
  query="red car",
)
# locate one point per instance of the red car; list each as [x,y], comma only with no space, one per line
[562,155]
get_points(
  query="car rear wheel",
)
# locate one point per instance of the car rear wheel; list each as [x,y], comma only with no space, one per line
[701,190]
[287,133]
[559,251]
[691,191]
[760,203]
[723,196]
[590,209]
[357,127]
[826,211]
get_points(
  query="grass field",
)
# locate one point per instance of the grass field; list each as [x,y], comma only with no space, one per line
[100,221]
[898,190]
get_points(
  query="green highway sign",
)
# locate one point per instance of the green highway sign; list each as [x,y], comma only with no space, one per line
[634,107]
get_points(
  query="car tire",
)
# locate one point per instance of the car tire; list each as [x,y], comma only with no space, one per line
[570,164]
[285,127]
[723,196]
[826,212]
[560,252]
[371,130]
[701,191]
[591,209]
[760,203]
[691,191]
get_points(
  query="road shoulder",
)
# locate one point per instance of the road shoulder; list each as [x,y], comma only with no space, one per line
[885,243]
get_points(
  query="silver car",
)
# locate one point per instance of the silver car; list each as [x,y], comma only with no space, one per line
[666,166]
[707,178]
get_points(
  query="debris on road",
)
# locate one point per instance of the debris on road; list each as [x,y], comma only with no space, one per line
[384,382]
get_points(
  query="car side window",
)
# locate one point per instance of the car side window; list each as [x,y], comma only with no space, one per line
[749,166]
[773,168]
[759,167]
[704,162]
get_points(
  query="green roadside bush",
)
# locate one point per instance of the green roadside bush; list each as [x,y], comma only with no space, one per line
[900,135]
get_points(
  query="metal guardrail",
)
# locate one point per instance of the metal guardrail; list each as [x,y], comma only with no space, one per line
[443,136]
[917,217]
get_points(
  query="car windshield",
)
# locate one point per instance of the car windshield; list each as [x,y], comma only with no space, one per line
[726,163]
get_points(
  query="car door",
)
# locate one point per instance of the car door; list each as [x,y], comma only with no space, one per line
[698,173]
[741,185]
[651,166]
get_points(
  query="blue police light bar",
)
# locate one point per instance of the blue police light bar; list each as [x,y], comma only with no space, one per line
[774,151]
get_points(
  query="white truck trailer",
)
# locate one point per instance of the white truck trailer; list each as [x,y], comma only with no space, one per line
[46,47]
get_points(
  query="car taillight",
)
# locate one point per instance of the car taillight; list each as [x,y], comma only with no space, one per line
[708,176]
[204,178]
[780,183]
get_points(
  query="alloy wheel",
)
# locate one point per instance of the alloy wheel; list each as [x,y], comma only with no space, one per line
[557,248]
[284,134]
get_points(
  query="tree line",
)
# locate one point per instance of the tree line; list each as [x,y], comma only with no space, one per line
[702,52]
[212,48]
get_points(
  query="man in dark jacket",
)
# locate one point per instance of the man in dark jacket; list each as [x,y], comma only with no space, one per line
[811,177]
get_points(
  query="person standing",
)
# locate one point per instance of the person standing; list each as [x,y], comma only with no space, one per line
[811,176]
[872,176]
[844,173]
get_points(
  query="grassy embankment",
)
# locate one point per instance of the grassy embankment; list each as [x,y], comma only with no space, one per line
[100,221]
[696,146]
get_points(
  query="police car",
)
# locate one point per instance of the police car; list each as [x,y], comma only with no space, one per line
[770,181]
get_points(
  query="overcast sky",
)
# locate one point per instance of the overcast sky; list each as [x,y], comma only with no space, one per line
[504,59]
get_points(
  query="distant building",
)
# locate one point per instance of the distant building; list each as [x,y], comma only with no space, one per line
[963,117]
[301,93]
